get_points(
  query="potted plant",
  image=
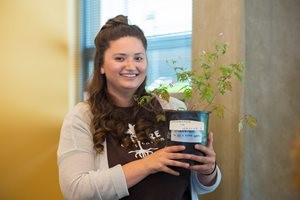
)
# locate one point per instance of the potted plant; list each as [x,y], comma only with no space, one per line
[190,126]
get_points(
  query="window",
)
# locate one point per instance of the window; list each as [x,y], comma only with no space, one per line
[167,25]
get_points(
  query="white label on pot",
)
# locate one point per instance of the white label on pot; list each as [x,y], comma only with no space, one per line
[186,136]
[186,125]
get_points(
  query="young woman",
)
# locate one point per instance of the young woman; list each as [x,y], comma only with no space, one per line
[112,148]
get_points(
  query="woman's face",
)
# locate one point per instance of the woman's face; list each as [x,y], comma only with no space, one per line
[125,65]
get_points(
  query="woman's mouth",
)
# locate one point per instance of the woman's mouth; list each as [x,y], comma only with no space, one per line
[129,75]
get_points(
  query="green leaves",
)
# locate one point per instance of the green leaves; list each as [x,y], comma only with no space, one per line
[247,120]
[207,93]
[187,92]
[162,92]
[219,110]
[221,48]
[146,99]
[160,117]
[208,79]
[183,74]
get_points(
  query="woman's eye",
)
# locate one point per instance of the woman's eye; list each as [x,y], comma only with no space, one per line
[139,59]
[120,59]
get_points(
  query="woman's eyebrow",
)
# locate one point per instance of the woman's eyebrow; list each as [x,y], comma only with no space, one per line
[124,54]
[139,53]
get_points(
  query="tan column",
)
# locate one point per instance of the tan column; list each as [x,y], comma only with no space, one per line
[211,17]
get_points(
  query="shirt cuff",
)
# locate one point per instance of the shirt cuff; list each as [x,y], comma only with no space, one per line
[119,181]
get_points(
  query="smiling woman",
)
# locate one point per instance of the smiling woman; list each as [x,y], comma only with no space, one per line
[124,69]
[168,34]
[112,148]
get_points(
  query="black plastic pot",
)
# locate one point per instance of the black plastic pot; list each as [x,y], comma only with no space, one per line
[187,128]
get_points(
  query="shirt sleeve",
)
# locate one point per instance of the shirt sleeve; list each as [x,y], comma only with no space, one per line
[198,188]
[82,173]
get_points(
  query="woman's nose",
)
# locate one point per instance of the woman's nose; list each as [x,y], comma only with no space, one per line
[130,64]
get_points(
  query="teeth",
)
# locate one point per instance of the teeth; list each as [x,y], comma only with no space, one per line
[129,75]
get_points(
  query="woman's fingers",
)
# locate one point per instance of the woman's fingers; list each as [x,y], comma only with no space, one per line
[207,162]
[176,148]
[210,140]
[168,167]
[163,159]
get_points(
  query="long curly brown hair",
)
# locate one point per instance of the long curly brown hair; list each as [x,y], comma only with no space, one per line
[106,120]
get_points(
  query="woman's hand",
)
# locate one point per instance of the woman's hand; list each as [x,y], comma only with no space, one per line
[207,169]
[161,160]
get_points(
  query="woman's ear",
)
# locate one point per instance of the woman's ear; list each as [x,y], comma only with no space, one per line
[102,70]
